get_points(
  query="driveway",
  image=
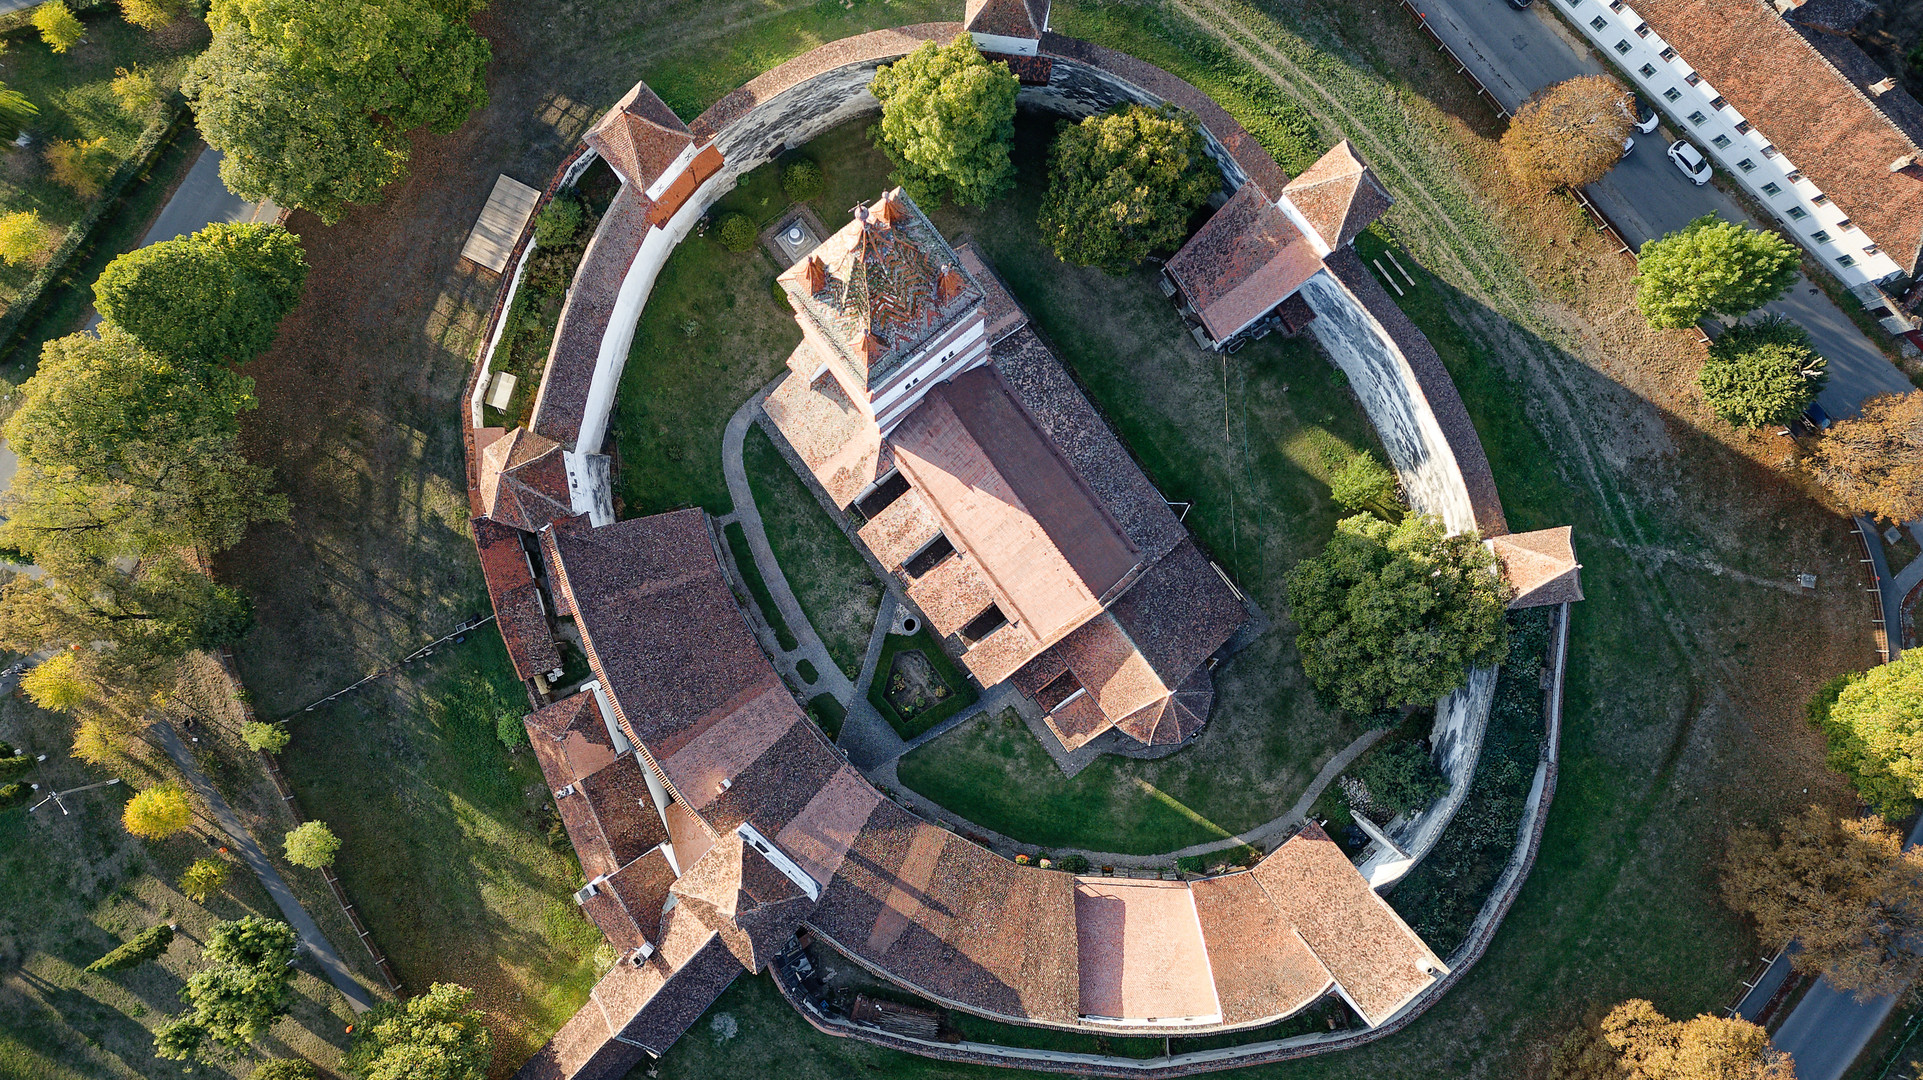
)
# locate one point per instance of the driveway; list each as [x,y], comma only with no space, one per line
[1516,53]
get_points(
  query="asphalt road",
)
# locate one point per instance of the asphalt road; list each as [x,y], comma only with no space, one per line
[1515,53]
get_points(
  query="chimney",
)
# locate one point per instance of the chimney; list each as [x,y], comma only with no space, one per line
[1903,164]
[1878,89]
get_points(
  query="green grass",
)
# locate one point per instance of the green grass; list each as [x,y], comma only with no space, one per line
[961,692]
[757,588]
[444,840]
[998,776]
[806,669]
[834,585]
[826,711]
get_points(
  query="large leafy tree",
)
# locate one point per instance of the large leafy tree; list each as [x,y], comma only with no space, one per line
[1396,614]
[239,993]
[1651,1046]
[216,296]
[1711,267]
[1844,889]
[157,610]
[157,813]
[1121,185]
[435,1036]
[1569,134]
[1873,462]
[1874,724]
[312,844]
[311,101]
[1762,373]
[125,452]
[947,117]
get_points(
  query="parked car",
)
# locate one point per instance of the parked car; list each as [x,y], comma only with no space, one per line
[1818,419]
[1691,161]
[1646,118]
[1520,4]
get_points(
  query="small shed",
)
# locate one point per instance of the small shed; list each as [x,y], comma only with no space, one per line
[508,208]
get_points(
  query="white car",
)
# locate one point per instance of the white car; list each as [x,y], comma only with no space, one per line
[1691,161]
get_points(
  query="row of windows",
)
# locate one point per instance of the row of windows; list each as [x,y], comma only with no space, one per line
[1723,142]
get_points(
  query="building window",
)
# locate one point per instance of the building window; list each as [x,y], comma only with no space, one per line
[1769,151]
[1599,23]
[1672,94]
[1871,250]
[1772,189]
[1845,260]
[1692,78]
[1669,54]
[1747,164]
[1649,71]
[1623,47]
[1819,198]
[1721,142]
[1615,5]
[1642,29]
[983,625]
[1797,213]
[1796,176]
[1697,117]
[1845,225]
[1820,236]
[1717,102]
[1742,127]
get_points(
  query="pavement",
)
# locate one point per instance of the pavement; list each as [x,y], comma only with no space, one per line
[1516,53]
[312,941]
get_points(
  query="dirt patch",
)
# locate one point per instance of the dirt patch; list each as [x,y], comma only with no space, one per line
[913,686]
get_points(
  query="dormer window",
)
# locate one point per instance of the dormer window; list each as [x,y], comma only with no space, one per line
[1845,225]
[1668,54]
[1717,102]
[1642,29]
[1742,127]
[1872,250]
[1770,151]
[1692,78]
[1796,177]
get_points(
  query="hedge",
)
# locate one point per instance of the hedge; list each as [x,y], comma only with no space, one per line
[961,694]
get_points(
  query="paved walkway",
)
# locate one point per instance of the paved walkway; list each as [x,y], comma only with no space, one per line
[311,939]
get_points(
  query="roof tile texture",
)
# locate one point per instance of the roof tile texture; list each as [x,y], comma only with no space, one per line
[1245,260]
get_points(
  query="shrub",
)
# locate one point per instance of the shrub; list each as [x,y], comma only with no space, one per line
[157,813]
[58,27]
[150,14]
[1363,483]
[136,89]
[81,166]
[1403,777]
[312,844]
[12,760]
[265,738]
[23,238]
[1762,373]
[802,181]
[146,945]
[203,879]
[284,1069]
[736,233]
[558,221]
[15,109]
[511,732]
[14,794]
[1073,863]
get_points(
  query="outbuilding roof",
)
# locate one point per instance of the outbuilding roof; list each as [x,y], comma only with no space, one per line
[640,137]
[1007,18]
[1242,262]
[519,612]
[1339,195]
[1541,566]
[524,482]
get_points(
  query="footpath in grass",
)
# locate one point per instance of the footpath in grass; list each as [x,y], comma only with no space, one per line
[834,585]
[449,842]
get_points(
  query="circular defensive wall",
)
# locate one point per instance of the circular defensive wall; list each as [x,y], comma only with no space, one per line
[715,823]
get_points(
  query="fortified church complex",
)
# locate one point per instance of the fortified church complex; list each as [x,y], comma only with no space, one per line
[713,819]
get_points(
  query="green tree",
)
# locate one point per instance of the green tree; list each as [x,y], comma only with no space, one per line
[59,683]
[57,25]
[203,879]
[1402,776]
[736,233]
[146,945]
[312,844]
[1711,267]
[802,180]
[15,111]
[558,220]
[239,993]
[1396,614]
[311,101]
[23,237]
[157,813]
[1651,1046]
[160,610]
[264,737]
[947,117]
[1360,482]
[1761,373]
[1569,134]
[150,14]
[137,90]
[1874,727]
[436,1036]
[217,296]
[1122,185]
[123,451]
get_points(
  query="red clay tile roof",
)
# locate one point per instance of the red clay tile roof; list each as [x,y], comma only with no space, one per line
[820,835]
[570,739]
[524,482]
[518,609]
[1339,195]
[610,817]
[1244,261]
[626,905]
[1175,717]
[640,137]
[1078,720]
[1541,566]
[899,531]
[739,894]
[1004,315]
[1007,18]
[838,442]
[1179,613]
[1139,947]
[870,49]
[1833,132]
[563,398]
[1262,968]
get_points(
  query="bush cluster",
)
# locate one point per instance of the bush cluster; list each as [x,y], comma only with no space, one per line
[146,945]
[736,233]
[802,181]
[558,221]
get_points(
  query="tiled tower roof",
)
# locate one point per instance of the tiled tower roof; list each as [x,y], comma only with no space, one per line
[1339,195]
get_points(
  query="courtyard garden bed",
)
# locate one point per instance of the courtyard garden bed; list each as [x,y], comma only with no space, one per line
[825,711]
[916,686]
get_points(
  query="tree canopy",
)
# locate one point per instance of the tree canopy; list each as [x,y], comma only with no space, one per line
[157,813]
[264,737]
[144,946]
[1711,267]
[217,296]
[1762,373]
[947,117]
[1651,1046]
[58,26]
[1875,732]
[1122,184]
[202,879]
[157,611]
[1873,462]
[311,101]
[1569,134]
[237,995]
[1396,614]
[1845,889]
[434,1036]
[312,844]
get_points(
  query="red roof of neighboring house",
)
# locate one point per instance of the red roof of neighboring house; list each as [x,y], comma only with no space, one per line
[1245,260]
[626,905]
[1007,18]
[1139,947]
[737,892]
[518,609]
[1832,131]
[610,817]
[640,137]
[524,482]
[1339,195]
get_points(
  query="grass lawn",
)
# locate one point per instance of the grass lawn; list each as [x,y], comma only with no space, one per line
[744,561]
[444,841]
[961,692]
[74,886]
[991,771]
[836,589]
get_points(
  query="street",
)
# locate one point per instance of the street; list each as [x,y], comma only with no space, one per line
[1516,53]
